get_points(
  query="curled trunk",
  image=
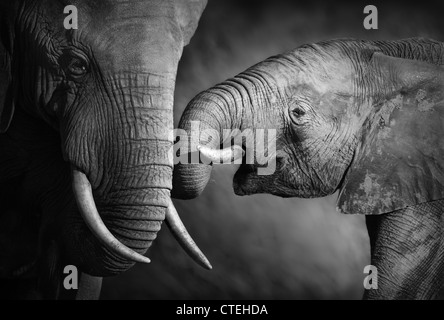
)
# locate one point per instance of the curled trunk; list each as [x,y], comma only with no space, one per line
[227,106]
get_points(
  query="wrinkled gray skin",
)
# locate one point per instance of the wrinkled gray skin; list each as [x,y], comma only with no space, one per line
[99,99]
[361,117]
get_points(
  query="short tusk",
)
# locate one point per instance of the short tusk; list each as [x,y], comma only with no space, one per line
[183,237]
[88,210]
[227,155]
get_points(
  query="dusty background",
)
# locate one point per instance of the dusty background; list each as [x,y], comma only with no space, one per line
[264,247]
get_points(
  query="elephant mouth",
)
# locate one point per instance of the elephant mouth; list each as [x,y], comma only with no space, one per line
[242,180]
[251,177]
[249,180]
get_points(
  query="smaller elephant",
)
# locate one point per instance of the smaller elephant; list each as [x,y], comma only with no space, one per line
[365,118]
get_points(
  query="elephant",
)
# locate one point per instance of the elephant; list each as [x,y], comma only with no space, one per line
[86,116]
[362,118]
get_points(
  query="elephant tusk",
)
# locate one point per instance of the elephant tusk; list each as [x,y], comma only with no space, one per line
[183,237]
[88,210]
[227,155]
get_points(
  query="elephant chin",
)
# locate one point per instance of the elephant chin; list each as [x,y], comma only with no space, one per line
[246,182]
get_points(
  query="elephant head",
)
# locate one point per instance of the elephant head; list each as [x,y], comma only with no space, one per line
[361,117]
[102,97]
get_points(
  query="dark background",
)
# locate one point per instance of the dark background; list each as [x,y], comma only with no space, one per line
[265,247]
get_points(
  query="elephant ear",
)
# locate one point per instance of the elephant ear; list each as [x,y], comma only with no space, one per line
[6,84]
[400,159]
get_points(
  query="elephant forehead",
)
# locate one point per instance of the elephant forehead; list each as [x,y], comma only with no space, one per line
[327,72]
[128,22]
[185,14]
[136,43]
[323,82]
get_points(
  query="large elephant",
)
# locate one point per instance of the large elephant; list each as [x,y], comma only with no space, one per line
[86,125]
[362,117]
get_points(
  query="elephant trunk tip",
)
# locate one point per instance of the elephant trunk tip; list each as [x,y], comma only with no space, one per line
[190,180]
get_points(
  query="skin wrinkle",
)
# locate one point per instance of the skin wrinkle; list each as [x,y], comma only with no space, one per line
[302,166]
[121,79]
[262,90]
[43,38]
[326,153]
[256,97]
[246,102]
[227,96]
[266,88]
[415,236]
[121,96]
[245,88]
[249,92]
[217,110]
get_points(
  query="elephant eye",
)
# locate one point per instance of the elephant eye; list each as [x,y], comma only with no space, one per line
[74,66]
[298,112]
[77,67]
[298,109]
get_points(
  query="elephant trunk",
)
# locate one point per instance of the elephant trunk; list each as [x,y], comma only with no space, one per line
[122,183]
[209,121]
